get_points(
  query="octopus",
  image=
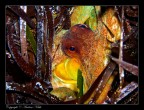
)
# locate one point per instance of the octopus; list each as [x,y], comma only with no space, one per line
[80,43]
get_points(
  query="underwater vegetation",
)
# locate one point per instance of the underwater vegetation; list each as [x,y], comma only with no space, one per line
[71,54]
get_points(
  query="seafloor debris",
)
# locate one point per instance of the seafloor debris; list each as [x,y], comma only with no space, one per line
[61,41]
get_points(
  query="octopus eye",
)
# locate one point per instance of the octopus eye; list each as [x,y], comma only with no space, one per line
[72,48]
[83,26]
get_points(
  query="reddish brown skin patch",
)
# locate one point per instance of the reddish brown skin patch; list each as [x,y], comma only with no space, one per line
[78,37]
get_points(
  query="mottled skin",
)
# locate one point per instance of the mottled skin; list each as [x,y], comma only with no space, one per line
[90,48]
